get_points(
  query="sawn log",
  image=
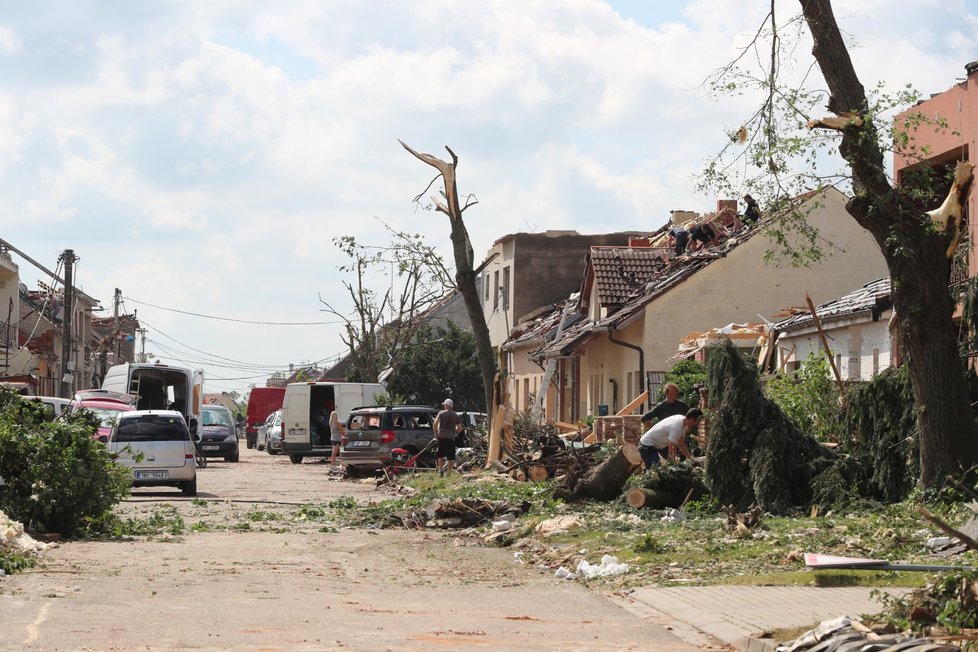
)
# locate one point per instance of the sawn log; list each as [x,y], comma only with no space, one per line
[604,481]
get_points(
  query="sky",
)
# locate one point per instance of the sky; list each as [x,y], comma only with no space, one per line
[202,156]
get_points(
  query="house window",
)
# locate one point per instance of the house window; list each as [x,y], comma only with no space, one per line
[485,298]
[505,287]
[495,284]
[854,370]
[526,393]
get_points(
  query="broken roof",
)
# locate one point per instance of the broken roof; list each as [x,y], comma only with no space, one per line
[872,298]
[540,328]
[657,277]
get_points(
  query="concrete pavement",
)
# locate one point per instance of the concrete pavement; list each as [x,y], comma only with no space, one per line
[735,615]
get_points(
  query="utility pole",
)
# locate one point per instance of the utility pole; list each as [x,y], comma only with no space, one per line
[67,364]
[142,352]
[115,325]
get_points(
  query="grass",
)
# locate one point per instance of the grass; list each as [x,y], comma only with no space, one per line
[700,549]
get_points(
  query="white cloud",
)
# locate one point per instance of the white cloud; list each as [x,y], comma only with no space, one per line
[208,163]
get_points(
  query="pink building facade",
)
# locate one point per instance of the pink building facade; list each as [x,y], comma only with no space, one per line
[945,146]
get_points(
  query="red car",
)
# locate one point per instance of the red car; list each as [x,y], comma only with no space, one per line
[107,406]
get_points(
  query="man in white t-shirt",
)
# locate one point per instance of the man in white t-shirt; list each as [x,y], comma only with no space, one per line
[667,435]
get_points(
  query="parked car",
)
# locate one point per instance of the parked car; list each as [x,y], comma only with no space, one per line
[471,421]
[107,407]
[262,401]
[371,433]
[218,433]
[272,434]
[157,446]
[53,404]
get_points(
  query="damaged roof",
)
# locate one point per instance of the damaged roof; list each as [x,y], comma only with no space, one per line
[656,271]
[541,327]
[872,298]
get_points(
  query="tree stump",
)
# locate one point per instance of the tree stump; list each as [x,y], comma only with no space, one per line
[648,499]
[604,482]
[537,473]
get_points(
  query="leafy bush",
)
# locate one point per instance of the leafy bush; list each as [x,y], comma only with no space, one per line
[809,398]
[56,476]
[688,375]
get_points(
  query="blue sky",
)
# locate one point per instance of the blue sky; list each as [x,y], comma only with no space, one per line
[202,156]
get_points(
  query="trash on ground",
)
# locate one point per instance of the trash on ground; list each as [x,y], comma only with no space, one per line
[609,566]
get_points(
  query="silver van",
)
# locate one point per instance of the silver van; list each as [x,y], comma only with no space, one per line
[156,445]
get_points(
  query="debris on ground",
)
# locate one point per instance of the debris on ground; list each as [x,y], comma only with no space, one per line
[847,633]
[743,522]
[13,538]
[558,525]
[609,566]
[459,513]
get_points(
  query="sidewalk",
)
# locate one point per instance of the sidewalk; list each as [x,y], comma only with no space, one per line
[731,615]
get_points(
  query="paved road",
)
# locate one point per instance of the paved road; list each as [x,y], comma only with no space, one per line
[288,584]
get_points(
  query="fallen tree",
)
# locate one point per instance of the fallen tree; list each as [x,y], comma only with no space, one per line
[755,453]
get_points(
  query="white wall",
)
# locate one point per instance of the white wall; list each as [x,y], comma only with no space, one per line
[860,348]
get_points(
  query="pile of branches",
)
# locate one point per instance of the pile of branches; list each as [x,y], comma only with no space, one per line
[538,453]
[459,512]
[755,453]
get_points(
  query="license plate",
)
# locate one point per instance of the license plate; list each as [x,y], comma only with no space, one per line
[296,431]
[361,443]
[152,475]
[211,448]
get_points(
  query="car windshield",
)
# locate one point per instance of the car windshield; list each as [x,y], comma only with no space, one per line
[152,427]
[217,418]
[106,417]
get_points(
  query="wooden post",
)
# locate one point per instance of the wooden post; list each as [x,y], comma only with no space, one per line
[828,350]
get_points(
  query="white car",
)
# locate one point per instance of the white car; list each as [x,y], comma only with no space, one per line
[157,446]
[271,434]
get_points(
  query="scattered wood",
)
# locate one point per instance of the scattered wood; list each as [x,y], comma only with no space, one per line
[537,473]
[636,402]
[747,519]
[961,536]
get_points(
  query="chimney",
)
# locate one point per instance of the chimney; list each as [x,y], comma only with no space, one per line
[681,216]
[638,241]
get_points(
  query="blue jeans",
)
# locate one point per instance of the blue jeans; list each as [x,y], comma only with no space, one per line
[651,455]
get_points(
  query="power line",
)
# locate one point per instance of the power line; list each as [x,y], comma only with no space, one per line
[240,321]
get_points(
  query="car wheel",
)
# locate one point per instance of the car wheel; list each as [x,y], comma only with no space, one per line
[250,443]
[260,445]
[272,451]
[233,457]
[189,488]
[295,459]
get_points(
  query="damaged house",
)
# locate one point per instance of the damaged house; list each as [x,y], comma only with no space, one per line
[637,302]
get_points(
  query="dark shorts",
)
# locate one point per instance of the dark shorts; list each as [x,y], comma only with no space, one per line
[446,449]
[651,455]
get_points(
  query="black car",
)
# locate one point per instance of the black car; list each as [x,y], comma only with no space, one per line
[218,433]
[371,433]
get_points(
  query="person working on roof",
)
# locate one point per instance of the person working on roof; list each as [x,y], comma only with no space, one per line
[678,239]
[666,436]
[752,213]
[701,235]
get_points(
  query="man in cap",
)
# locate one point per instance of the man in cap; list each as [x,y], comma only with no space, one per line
[446,426]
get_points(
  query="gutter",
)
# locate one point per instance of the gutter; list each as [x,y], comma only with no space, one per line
[641,359]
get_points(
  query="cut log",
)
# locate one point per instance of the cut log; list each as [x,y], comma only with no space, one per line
[518,474]
[604,482]
[648,499]
[537,473]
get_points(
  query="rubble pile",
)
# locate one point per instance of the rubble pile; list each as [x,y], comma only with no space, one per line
[13,538]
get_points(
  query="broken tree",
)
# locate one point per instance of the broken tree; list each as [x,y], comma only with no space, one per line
[465,274]
[605,481]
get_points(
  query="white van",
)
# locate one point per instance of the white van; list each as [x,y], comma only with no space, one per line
[303,407]
[158,386]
